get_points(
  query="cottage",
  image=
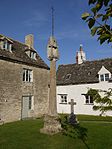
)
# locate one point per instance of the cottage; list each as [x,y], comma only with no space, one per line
[24,79]
[74,81]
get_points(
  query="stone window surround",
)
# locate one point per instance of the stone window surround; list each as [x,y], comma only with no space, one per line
[88,100]
[27,75]
[104,74]
[6,45]
[104,77]
[31,54]
[63,98]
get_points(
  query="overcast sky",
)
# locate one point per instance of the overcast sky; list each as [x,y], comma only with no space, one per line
[22,17]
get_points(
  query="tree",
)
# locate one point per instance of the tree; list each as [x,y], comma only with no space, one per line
[101,103]
[99,20]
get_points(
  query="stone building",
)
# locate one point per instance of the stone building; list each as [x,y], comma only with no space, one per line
[24,79]
[74,81]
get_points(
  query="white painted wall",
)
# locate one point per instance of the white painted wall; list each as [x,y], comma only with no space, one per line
[75,92]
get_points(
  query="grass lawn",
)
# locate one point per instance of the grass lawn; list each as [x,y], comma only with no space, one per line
[26,135]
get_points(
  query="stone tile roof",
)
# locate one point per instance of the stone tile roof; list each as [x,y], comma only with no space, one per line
[18,55]
[82,73]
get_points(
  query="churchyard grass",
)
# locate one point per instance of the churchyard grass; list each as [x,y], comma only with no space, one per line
[26,135]
[94,118]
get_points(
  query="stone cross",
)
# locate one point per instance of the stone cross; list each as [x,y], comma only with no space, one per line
[72,103]
[51,121]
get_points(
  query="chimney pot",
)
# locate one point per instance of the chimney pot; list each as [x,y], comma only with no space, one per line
[29,40]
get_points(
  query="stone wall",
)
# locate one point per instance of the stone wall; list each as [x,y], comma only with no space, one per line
[12,88]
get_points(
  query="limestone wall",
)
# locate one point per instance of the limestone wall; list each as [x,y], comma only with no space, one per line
[12,88]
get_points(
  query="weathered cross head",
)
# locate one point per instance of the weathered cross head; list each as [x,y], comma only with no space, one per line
[72,103]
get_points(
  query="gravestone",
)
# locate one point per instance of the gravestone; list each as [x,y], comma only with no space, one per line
[72,118]
[72,103]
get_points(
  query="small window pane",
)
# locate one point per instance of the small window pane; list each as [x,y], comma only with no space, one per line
[87,101]
[8,46]
[31,54]
[91,99]
[63,98]
[87,97]
[27,75]
[106,77]
[23,75]
[102,77]
[4,45]
[66,100]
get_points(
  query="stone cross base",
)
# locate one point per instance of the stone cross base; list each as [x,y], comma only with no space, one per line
[51,125]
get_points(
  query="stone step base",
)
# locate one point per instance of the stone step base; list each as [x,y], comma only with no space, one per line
[51,125]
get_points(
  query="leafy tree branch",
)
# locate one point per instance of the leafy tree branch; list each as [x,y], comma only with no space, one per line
[99,20]
[104,103]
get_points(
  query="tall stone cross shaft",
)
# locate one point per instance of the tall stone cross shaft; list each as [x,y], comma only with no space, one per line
[52,94]
[51,120]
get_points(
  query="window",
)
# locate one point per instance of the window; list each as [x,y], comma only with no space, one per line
[27,75]
[6,45]
[89,73]
[31,54]
[89,99]
[104,77]
[63,98]
[68,76]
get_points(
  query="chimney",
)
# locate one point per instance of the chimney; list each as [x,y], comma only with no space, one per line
[80,55]
[29,40]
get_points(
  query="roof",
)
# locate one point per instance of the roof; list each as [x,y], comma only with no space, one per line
[18,55]
[86,72]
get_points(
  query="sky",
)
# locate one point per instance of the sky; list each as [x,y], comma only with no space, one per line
[22,17]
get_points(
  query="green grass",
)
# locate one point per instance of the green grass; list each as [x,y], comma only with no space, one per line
[94,118]
[26,135]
